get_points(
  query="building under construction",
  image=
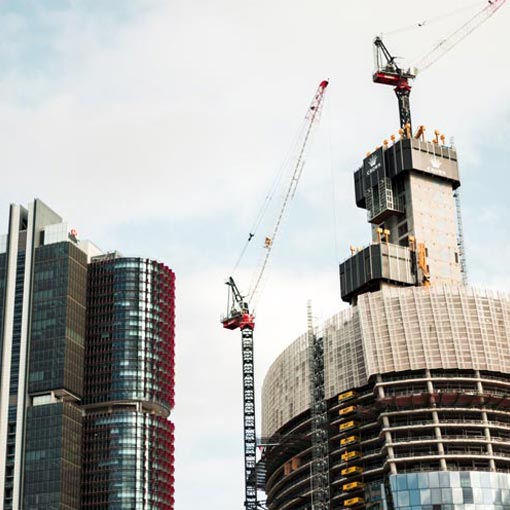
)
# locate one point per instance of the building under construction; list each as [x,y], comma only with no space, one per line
[402,401]
[414,375]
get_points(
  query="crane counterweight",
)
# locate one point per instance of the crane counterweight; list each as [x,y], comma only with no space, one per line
[238,316]
[389,73]
[241,321]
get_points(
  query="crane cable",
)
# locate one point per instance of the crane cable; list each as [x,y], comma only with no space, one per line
[448,43]
[434,19]
[315,115]
[268,199]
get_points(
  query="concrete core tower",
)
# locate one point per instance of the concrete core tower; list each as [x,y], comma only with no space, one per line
[407,191]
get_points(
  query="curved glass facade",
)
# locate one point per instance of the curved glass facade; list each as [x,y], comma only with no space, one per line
[464,490]
[128,461]
[130,349]
[129,385]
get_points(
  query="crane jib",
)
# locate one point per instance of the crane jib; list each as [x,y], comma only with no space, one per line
[389,73]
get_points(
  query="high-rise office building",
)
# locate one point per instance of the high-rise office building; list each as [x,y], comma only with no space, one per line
[87,346]
[129,385]
[414,376]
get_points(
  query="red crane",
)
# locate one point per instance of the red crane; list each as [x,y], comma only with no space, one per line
[389,73]
[239,315]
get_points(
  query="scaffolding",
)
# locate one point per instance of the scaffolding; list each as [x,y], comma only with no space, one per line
[319,471]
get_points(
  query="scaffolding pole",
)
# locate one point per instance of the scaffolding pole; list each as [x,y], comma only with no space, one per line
[319,471]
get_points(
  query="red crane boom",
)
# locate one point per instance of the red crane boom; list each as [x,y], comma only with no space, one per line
[239,317]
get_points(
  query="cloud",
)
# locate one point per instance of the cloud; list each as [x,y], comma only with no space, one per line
[157,127]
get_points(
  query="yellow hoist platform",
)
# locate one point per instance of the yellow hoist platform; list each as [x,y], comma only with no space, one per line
[347,410]
[350,455]
[347,395]
[348,425]
[354,501]
[352,470]
[353,486]
[349,440]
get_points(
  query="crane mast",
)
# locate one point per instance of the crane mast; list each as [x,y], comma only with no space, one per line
[239,316]
[319,469]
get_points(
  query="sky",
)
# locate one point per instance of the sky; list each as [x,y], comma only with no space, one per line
[156,128]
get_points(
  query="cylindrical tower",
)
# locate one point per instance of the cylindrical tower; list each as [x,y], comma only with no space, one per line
[418,403]
[129,385]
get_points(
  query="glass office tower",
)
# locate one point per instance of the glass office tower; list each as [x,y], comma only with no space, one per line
[87,372]
[129,384]
[43,281]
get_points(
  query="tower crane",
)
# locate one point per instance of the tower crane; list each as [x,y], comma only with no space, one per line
[389,73]
[240,317]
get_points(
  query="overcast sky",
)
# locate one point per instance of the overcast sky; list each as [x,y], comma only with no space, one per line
[156,128]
